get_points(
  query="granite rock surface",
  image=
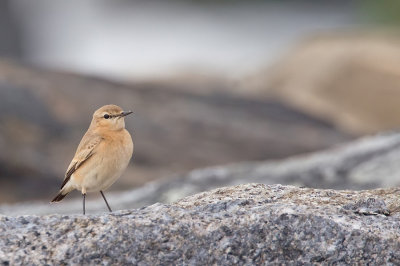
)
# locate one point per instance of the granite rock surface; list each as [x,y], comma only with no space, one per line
[245,225]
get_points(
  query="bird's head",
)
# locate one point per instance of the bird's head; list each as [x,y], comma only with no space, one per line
[110,117]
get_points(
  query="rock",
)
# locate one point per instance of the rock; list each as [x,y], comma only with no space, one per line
[367,163]
[242,225]
[352,80]
[175,130]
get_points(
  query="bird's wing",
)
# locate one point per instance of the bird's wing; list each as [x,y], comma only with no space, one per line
[85,150]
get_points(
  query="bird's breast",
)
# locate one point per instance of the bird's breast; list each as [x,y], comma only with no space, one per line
[121,149]
[108,163]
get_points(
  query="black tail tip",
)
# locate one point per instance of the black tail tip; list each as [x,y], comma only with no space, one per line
[59,197]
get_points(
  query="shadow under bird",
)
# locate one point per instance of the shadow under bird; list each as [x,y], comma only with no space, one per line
[102,155]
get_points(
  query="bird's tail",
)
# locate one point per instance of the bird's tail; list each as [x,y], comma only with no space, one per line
[63,192]
[59,196]
[65,189]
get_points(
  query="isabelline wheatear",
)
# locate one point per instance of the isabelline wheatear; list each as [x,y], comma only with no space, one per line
[102,155]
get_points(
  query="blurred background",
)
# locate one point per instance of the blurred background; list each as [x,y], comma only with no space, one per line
[210,82]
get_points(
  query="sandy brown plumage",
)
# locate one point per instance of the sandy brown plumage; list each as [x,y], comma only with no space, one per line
[102,155]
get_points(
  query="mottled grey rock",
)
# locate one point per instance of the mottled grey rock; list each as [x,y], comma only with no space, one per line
[363,164]
[245,225]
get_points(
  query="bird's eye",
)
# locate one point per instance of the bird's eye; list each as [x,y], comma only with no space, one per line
[106,116]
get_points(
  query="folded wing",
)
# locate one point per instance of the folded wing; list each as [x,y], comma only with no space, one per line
[86,149]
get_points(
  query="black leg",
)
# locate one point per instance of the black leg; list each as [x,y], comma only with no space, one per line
[108,206]
[84,197]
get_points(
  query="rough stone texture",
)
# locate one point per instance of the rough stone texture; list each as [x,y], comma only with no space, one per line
[363,164]
[247,224]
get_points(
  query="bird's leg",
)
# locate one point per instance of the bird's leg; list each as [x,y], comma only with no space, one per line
[84,197]
[108,206]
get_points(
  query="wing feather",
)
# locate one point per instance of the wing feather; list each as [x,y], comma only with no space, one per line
[86,149]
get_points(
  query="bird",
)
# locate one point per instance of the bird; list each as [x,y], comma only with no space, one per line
[102,155]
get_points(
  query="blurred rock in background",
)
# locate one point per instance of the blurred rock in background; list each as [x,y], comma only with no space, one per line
[44,114]
[351,79]
[370,162]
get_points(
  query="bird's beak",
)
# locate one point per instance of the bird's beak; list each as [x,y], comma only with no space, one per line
[125,113]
